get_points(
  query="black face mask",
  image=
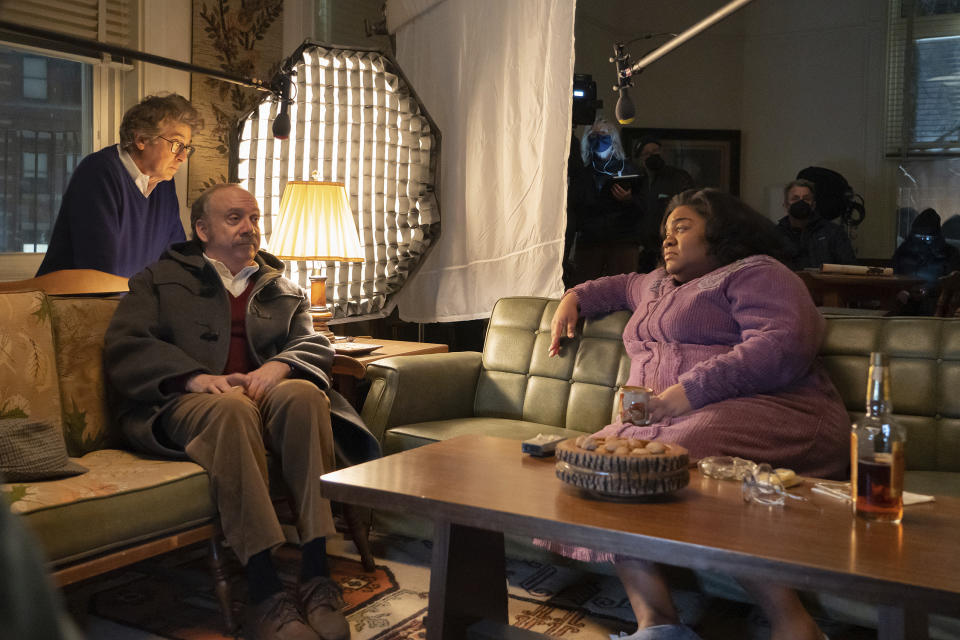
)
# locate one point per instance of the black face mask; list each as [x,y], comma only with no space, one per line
[801,210]
[654,162]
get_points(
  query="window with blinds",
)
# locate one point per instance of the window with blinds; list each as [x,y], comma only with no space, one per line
[47,105]
[923,78]
[109,21]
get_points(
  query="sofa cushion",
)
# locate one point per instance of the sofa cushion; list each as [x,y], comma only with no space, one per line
[123,499]
[520,382]
[925,372]
[27,362]
[410,436]
[79,324]
[944,483]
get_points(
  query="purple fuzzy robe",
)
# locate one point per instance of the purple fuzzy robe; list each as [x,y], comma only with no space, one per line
[742,340]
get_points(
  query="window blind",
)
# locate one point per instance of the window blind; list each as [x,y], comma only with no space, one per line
[923,79]
[108,21]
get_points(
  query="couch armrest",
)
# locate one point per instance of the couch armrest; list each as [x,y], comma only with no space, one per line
[407,389]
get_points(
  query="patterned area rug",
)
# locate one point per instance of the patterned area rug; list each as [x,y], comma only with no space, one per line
[171,597]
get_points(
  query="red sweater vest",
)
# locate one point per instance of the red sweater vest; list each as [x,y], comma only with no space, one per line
[239,359]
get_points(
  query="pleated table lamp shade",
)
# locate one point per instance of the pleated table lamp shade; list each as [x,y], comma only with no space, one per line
[315,223]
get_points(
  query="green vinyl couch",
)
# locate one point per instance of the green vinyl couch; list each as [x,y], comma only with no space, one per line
[514,390]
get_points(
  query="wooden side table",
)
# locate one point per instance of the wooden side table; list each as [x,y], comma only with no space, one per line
[844,290]
[347,385]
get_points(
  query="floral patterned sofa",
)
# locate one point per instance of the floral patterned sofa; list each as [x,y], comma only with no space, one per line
[128,506]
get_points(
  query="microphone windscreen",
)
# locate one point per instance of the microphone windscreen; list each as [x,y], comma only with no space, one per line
[625,111]
[281,125]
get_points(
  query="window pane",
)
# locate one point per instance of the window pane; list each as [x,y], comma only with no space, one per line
[938,90]
[41,141]
[34,68]
[934,7]
[35,88]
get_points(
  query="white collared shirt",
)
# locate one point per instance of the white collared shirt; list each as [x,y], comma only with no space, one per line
[140,178]
[235,284]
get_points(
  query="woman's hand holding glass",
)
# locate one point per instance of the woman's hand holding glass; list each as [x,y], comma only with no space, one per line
[564,323]
[670,403]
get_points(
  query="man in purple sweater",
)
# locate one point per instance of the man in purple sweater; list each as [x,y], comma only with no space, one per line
[120,210]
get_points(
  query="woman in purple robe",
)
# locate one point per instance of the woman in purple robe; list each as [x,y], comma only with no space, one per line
[727,338]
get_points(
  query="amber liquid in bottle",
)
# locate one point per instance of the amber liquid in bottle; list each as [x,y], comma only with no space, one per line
[876,452]
[878,486]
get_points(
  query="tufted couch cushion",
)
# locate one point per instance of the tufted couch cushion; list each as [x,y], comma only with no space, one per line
[925,375]
[519,381]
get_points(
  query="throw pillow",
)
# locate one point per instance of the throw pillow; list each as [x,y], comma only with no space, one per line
[33,450]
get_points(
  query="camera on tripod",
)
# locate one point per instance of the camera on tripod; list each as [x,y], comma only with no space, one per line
[585,103]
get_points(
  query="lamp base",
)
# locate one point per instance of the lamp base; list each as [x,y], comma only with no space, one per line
[318,306]
[320,316]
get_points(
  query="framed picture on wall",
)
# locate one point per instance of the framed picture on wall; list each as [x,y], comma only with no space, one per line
[710,156]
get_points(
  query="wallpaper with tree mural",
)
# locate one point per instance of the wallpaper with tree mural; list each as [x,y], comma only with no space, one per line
[243,37]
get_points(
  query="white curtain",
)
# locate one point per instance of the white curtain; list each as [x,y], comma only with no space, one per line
[497,77]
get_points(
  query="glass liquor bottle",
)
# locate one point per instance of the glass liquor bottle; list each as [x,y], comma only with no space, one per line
[876,451]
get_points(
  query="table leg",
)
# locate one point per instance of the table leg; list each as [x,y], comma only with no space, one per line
[468,580]
[901,623]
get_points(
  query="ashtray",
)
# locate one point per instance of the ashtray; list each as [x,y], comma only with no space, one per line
[355,348]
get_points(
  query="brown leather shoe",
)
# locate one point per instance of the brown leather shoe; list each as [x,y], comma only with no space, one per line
[323,607]
[277,618]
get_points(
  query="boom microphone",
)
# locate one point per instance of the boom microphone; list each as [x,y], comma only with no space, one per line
[281,124]
[625,110]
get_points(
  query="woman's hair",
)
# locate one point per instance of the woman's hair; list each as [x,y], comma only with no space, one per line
[601,123]
[144,119]
[734,230]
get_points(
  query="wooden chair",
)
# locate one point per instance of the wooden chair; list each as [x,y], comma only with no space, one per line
[70,281]
[92,282]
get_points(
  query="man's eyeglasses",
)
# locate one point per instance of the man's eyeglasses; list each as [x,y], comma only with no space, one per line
[176,147]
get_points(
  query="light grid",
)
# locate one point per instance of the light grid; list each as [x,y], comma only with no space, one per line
[354,120]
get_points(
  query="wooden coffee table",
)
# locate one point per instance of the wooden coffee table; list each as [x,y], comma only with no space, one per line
[476,488]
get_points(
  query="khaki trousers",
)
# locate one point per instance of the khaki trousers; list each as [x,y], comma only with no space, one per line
[228,435]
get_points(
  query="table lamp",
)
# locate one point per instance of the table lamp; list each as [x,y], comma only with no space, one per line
[315,223]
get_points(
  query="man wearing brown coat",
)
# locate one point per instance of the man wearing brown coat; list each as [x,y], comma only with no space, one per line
[213,357]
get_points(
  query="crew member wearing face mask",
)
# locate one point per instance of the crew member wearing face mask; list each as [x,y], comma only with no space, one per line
[658,183]
[924,254]
[810,241]
[604,210]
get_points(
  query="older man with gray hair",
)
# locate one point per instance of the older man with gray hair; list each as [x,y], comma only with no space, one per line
[809,240]
[120,209]
[213,357]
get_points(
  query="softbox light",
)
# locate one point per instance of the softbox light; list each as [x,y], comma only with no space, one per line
[356,120]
